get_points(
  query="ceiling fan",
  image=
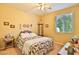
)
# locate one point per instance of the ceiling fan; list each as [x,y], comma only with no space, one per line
[43,6]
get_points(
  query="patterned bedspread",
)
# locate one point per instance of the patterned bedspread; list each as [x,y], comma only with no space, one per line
[35,46]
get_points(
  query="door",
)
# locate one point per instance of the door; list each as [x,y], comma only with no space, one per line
[40,29]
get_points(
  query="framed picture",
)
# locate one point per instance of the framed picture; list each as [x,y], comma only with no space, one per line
[6,23]
[12,26]
[26,25]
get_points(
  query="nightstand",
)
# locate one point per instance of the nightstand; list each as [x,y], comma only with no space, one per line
[9,42]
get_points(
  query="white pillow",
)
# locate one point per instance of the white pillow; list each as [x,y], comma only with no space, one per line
[33,35]
[25,35]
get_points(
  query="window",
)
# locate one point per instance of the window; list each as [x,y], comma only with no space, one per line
[64,23]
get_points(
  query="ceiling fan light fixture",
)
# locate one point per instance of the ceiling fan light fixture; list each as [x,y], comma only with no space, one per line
[43,6]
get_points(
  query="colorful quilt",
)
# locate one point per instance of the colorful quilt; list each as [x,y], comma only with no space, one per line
[35,46]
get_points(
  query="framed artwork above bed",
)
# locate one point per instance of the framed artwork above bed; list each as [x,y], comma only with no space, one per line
[25,26]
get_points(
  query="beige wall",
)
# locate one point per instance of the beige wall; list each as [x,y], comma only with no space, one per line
[51,31]
[16,17]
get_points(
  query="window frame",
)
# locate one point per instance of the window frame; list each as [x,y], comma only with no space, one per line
[72,16]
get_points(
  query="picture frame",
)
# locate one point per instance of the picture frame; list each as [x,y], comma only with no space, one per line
[6,23]
[12,26]
[25,26]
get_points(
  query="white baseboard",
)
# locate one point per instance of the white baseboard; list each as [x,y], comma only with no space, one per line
[59,43]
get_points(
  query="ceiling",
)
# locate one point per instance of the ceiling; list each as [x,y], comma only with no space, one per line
[32,8]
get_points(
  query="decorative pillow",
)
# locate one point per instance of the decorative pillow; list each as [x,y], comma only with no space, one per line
[25,35]
[33,35]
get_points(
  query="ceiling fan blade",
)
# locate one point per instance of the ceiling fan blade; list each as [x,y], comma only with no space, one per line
[38,8]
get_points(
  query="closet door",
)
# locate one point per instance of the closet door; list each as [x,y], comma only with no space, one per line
[40,29]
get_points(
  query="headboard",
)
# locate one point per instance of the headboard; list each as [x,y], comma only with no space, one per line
[26,31]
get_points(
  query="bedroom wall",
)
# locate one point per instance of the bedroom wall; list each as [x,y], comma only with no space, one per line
[15,17]
[50,19]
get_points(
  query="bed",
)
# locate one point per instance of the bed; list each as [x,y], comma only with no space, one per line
[31,44]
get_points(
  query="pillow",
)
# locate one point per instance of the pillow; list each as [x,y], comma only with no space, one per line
[33,35]
[25,35]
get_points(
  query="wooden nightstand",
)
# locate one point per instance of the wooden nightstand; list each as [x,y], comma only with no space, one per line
[9,42]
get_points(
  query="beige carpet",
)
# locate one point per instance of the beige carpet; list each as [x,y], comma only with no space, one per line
[16,51]
[10,51]
[56,49]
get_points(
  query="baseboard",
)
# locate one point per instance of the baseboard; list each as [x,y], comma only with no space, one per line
[2,48]
[59,43]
